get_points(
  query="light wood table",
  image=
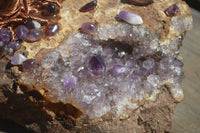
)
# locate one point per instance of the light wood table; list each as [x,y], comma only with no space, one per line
[187,114]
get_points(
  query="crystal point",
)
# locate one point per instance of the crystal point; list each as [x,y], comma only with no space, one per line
[70,82]
[18,59]
[97,64]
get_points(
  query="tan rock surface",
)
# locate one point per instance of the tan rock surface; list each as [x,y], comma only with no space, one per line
[71,19]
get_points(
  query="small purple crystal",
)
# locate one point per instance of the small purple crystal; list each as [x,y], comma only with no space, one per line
[118,70]
[5,35]
[88,28]
[21,32]
[70,82]
[28,64]
[130,18]
[148,64]
[89,6]
[32,24]
[34,35]
[18,59]
[172,10]
[52,29]
[50,10]
[14,45]
[97,65]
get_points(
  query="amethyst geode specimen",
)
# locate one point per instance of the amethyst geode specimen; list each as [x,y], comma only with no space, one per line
[107,79]
[108,74]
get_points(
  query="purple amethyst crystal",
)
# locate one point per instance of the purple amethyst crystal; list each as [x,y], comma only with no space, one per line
[130,18]
[5,35]
[107,74]
[88,28]
[52,29]
[50,10]
[148,64]
[28,64]
[18,59]
[34,35]
[14,45]
[70,82]
[97,65]
[32,24]
[21,32]
[118,70]
[172,10]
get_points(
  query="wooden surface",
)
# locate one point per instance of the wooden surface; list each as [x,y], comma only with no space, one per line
[187,113]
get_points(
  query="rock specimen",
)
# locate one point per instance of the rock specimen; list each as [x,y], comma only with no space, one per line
[90,65]
[120,72]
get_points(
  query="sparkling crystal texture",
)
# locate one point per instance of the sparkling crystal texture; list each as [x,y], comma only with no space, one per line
[96,64]
[108,75]
[118,70]
[70,82]
[148,64]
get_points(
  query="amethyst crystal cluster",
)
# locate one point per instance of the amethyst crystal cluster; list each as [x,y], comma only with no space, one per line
[107,74]
[31,31]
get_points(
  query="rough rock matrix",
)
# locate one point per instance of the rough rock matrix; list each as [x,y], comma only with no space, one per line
[119,75]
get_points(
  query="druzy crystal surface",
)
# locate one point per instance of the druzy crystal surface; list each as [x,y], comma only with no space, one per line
[109,74]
